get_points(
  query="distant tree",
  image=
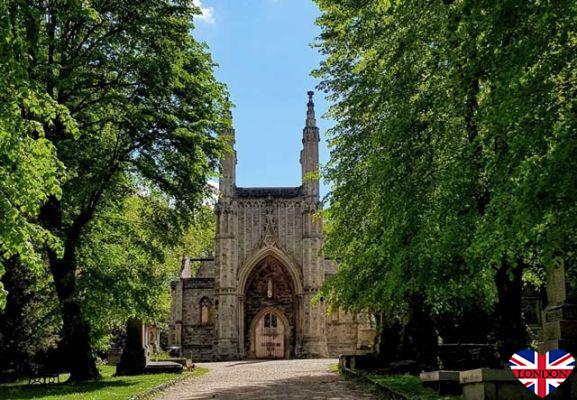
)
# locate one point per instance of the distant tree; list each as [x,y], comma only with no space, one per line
[142,94]
[130,255]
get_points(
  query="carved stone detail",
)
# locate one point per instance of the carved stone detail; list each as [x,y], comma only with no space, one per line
[270,235]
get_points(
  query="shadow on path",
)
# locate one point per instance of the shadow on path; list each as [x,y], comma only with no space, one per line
[248,362]
[323,387]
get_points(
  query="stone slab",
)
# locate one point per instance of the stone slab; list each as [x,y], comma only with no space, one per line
[487,375]
[467,356]
[160,367]
[435,376]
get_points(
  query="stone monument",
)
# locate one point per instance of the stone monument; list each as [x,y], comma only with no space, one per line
[133,359]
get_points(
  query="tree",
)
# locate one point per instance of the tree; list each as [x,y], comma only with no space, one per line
[30,171]
[146,104]
[389,152]
[451,118]
[130,255]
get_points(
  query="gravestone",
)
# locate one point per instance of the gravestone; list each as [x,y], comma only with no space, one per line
[133,359]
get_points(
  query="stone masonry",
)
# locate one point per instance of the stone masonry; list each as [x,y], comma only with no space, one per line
[267,261]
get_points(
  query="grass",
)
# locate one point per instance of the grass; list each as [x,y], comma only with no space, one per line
[334,368]
[409,386]
[109,388]
[160,356]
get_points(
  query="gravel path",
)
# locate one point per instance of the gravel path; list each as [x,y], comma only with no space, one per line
[267,380]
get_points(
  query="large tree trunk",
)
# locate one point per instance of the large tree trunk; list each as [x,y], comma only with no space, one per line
[80,358]
[420,341]
[511,333]
[76,329]
[389,339]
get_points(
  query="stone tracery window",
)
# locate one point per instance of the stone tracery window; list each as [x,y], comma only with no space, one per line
[205,311]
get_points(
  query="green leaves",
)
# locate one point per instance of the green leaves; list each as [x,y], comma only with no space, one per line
[129,257]
[30,171]
[100,101]
[451,152]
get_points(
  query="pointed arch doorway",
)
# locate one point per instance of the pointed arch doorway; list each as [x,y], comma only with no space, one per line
[270,334]
[269,310]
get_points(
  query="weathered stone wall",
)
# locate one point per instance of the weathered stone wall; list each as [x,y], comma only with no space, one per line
[198,342]
[250,226]
[345,333]
[206,268]
[349,333]
[197,339]
[341,333]
[366,332]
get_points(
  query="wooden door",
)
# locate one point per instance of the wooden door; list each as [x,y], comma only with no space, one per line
[269,337]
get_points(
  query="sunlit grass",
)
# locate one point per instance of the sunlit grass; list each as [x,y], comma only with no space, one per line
[334,368]
[109,388]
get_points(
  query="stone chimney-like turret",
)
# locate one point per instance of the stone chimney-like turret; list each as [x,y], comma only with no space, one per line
[310,152]
[228,163]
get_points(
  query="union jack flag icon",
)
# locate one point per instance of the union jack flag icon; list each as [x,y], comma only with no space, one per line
[542,373]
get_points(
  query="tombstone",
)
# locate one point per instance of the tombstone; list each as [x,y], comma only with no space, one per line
[133,359]
[560,324]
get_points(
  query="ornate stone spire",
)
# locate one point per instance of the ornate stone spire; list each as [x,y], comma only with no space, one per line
[311,121]
[228,117]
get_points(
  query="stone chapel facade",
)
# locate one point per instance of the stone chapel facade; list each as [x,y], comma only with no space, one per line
[254,298]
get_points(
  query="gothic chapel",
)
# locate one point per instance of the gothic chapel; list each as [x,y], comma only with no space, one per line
[253,299]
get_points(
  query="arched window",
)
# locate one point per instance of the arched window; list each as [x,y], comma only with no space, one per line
[205,311]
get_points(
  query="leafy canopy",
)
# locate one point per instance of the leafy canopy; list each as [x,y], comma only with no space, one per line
[453,151]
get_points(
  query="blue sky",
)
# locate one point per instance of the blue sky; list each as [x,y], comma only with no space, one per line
[264,56]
